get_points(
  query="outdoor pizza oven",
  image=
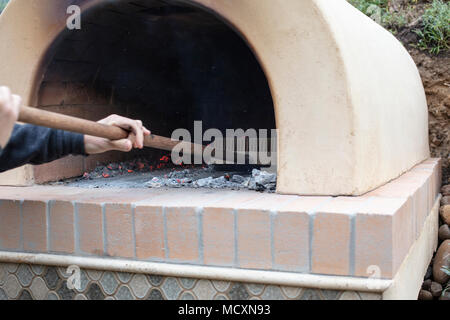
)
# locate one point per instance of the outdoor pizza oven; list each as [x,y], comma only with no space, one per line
[357,197]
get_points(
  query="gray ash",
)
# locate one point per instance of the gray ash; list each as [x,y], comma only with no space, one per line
[143,174]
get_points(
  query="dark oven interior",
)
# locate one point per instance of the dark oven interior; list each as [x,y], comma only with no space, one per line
[166,63]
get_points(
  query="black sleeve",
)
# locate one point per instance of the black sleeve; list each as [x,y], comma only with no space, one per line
[37,145]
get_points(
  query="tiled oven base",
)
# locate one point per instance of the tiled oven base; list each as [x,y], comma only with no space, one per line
[37,282]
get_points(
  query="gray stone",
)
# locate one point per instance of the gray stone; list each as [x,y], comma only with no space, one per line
[155,294]
[124,277]
[109,283]
[3,295]
[139,285]
[204,290]
[12,287]
[94,292]
[221,286]
[291,292]
[124,293]
[3,274]
[310,294]
[171,288]
[94,274]
[63,274]
[221,297]
[39,289]
[52,296]
[84,281]
[272,293]
[64,292]
[24,275]
[187,283]
[11,267]
[255,289]
[52,278]
[25,295]
[330,294]
[155,280]
[238,292]
[187,296]
[37,269]
[80,297]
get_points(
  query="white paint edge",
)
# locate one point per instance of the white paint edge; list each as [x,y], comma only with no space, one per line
[408,280]
[202,272]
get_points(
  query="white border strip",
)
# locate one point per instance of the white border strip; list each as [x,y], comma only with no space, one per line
[202,272]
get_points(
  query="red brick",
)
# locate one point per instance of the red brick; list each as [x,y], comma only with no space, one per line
[291,241]
[34,226]
[90,228]
[61,226]
[10,225]
[218,236]
[149,225]
[331,244]
[254,243]
[119,231]
[182,234]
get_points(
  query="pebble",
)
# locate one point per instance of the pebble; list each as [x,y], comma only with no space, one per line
[436,289]
[441,260]
[425,295]
[426,285]
[444,232]
[445,190]
[444,212]
[429,273]
[445,200]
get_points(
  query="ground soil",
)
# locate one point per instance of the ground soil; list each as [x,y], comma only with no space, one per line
[435,73]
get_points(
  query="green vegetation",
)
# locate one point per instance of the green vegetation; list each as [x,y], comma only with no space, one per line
[3,4]
[381,12]
[435,32]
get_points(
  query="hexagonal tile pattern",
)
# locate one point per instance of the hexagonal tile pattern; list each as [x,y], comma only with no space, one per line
[3,274]
[272,293]
[124,277]
[139,285]
[255,289]
[52,278]
[25,295]
[155,294]
[94,292]
[171,288]
[25,282]
[291,292]
[24,274]
[187,296]
[124,293]
[39,288]
[221,286]
[187,283]
[109,283]
[12,287]
[3,295]
[95,274]
[204,290]
[37,269]
[238,292]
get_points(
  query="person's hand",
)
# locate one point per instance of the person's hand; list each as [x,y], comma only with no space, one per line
[94,145]
[9,113]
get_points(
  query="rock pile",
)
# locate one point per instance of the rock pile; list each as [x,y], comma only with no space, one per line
[436,285]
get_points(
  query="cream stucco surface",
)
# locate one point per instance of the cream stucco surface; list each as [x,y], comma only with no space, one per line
[349,103]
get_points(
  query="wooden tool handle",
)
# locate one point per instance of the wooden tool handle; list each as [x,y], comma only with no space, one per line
[63,122]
